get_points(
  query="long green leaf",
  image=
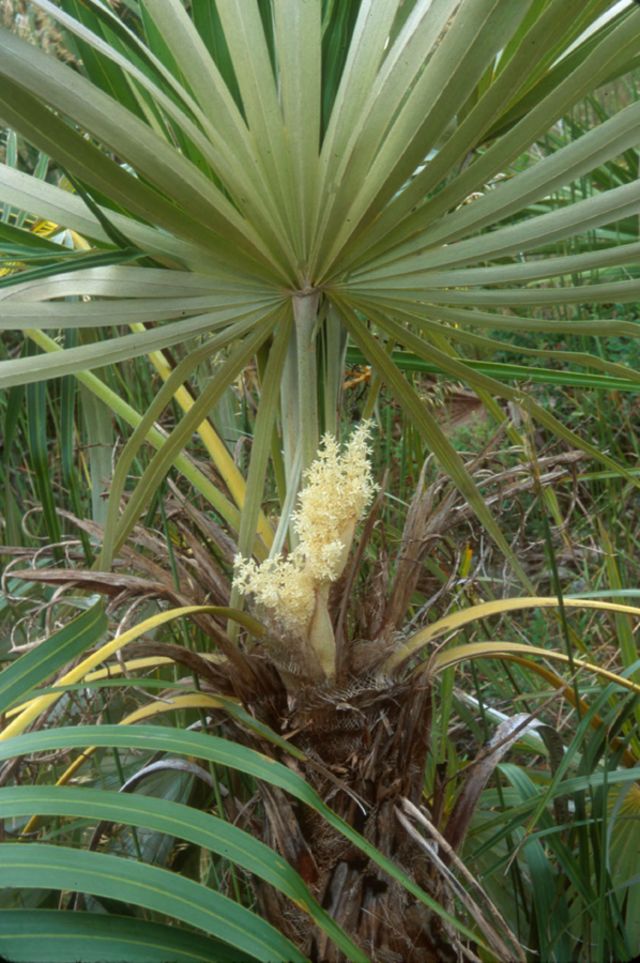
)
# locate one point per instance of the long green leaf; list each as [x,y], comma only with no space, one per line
[162,460]
[604,208]
[298,41]
[587,73]
[57,936]
[532,270]
[262,436]
[98,354]
[20,315]
[57,867]
[224,753]
[244,30]
[119,407]
[38,446]
[175,819]
[475,32]
[79,156]
[458,369]
[603,327]
[618,291]
[60,648]
[137,282]
[37,197]
[435,438]
[406,361]
[123,132]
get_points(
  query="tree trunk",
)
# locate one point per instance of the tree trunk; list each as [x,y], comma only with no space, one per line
[374,741]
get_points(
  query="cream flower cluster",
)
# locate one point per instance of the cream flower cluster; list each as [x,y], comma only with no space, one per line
[281,589]
[338,488]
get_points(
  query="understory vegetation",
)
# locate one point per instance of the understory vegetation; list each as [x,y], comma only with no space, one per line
[319,485]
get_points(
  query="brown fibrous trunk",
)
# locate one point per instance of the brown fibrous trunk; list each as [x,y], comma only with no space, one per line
[367,748]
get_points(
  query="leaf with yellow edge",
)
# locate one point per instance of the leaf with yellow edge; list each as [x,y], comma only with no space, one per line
[455,621]
[36,706]
[199,701]
[116,669]
[568,691]
[172,704]
[131,665]
[508,650]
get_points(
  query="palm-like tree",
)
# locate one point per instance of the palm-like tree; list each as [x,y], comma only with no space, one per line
[279,179]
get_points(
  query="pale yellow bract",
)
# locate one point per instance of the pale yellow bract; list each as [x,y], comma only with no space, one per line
[338,487]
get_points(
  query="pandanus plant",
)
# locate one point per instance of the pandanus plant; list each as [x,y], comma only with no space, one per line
[276,181]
